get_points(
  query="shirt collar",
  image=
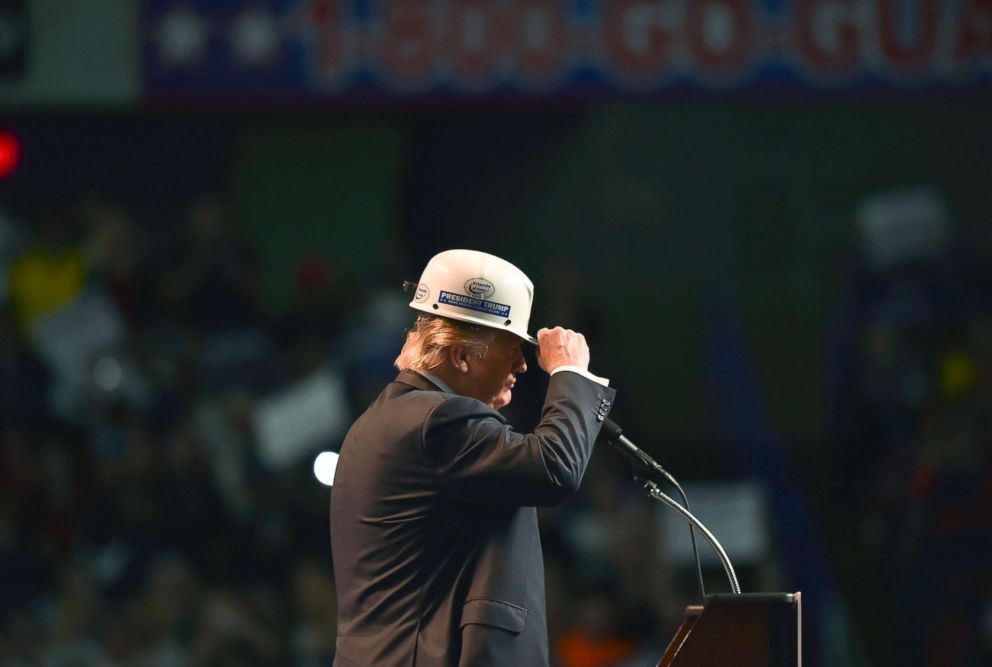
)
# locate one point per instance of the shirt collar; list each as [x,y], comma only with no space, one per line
[438,382]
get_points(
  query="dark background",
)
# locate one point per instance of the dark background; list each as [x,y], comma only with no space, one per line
[707,245]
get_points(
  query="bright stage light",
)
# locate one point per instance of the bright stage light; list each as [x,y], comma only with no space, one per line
[324,467]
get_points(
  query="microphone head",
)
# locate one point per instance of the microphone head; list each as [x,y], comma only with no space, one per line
[610,431]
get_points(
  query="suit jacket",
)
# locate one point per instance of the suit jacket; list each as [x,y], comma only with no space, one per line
[437,556]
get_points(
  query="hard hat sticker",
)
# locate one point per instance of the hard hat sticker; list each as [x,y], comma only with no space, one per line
[480,287]
[472,303]
[422,293]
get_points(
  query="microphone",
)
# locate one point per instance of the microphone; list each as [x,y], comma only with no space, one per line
[647,469]
[644,466]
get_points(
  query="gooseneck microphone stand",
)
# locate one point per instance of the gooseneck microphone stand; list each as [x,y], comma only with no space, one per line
[647,470]
[728,568]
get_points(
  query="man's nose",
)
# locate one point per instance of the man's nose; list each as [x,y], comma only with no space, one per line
[521,366]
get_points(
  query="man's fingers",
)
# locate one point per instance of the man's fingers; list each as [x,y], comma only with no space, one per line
[561,347]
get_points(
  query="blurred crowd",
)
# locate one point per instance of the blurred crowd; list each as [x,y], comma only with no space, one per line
[911,376]
[136,524]
[139,523]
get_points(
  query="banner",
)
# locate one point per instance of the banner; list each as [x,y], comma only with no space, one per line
[284,51]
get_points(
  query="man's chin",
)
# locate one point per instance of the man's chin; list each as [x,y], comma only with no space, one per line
[501,400]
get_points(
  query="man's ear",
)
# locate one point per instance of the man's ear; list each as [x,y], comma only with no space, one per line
[458,355]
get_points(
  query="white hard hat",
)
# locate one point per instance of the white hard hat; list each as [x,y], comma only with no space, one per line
[476,287]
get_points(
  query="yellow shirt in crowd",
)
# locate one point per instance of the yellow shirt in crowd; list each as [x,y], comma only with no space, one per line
[42,281]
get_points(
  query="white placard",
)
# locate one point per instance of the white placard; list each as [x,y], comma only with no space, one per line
[902,227]
[735,512]
[68,339]
[297,421]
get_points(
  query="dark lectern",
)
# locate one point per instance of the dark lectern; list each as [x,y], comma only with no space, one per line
[749,630]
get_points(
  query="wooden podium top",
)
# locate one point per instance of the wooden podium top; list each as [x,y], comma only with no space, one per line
[748,630]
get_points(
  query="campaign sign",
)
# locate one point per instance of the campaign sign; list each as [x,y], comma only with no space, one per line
[282,51]
[298,420]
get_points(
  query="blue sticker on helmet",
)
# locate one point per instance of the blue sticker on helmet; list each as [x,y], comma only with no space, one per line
[471,303]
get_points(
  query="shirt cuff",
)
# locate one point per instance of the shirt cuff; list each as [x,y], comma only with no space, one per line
[584,373]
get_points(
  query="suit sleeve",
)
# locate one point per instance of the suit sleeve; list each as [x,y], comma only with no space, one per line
[478,457]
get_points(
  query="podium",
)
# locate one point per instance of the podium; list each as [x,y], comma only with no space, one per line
[749,630]
[736,630]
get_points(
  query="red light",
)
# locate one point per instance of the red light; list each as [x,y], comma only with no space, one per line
[10,153]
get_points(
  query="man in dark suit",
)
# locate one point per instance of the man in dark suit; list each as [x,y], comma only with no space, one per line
[437,556]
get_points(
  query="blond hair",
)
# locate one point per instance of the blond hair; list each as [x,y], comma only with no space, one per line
[430,337]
